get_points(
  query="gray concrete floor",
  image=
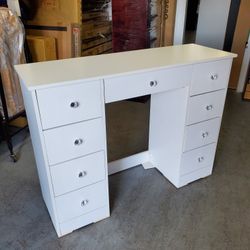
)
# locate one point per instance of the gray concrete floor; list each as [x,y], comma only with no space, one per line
[147,212]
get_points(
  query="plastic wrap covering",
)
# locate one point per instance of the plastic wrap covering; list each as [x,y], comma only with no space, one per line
[11,53]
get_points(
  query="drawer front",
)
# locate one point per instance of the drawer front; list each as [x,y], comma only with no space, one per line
[81,201]
[201,134]
[206,106]
[210,76]
[125,87]
[75,140]
[69,104]
[197,158]
[78,173]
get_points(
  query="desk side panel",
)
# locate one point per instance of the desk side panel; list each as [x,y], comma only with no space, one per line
[167,123]
[39,151]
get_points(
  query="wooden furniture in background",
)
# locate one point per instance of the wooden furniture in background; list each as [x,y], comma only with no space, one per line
[96,27]
[79,29]
[142,24]
[42,48]
[85,28]
[239,41]
[130,25]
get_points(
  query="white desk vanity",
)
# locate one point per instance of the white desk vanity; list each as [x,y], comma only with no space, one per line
[65,104]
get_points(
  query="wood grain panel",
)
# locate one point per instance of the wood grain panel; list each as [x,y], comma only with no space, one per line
[130,25]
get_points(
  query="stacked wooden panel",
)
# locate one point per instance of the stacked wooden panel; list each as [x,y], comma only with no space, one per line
[96,27]
[130,25]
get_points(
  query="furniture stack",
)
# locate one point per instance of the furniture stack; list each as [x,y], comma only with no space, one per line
[96,28]
[86,28]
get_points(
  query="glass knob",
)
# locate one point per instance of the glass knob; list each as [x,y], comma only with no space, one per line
[84,203]
[82,174]
[78,142]
[205,134]
[201,159]
[214,77]
[74,104]
[209,107]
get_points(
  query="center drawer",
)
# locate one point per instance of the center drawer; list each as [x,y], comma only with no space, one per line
[125,87]
[82,201]
[75,140]
[75,174]
[69,104]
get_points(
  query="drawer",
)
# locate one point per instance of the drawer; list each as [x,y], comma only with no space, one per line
[125,87]
[197,158]
[201,134]
[78,173]
[210,76]
[69,104]
[75,140]
[81,201]
[206,106]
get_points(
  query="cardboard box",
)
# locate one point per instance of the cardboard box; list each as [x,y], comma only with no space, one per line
[42,48]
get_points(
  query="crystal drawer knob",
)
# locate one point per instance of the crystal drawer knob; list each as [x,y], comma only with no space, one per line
[78,142]
[201,159]
[209,107]
[74,104]
[82,174]
[84,203]
[214,77]
[153,83]
[205,134]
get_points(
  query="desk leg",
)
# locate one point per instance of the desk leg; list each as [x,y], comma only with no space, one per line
[166,133]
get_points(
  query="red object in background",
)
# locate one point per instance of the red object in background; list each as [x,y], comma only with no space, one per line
[130,24]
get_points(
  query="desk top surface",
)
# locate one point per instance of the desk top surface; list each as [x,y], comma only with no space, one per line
[51,73]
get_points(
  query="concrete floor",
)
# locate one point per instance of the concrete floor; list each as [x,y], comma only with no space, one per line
[147,212]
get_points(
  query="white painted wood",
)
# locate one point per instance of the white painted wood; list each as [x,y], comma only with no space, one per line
[148,165]
[206,106]
[86,98]
[201,134]
[193,176]
[198,158]
[128,162]
[58,73]
[83,220]
[60,142]
[40,153]
[82,201]
[78,173]
[210,76]
[167,123]
[121,88]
